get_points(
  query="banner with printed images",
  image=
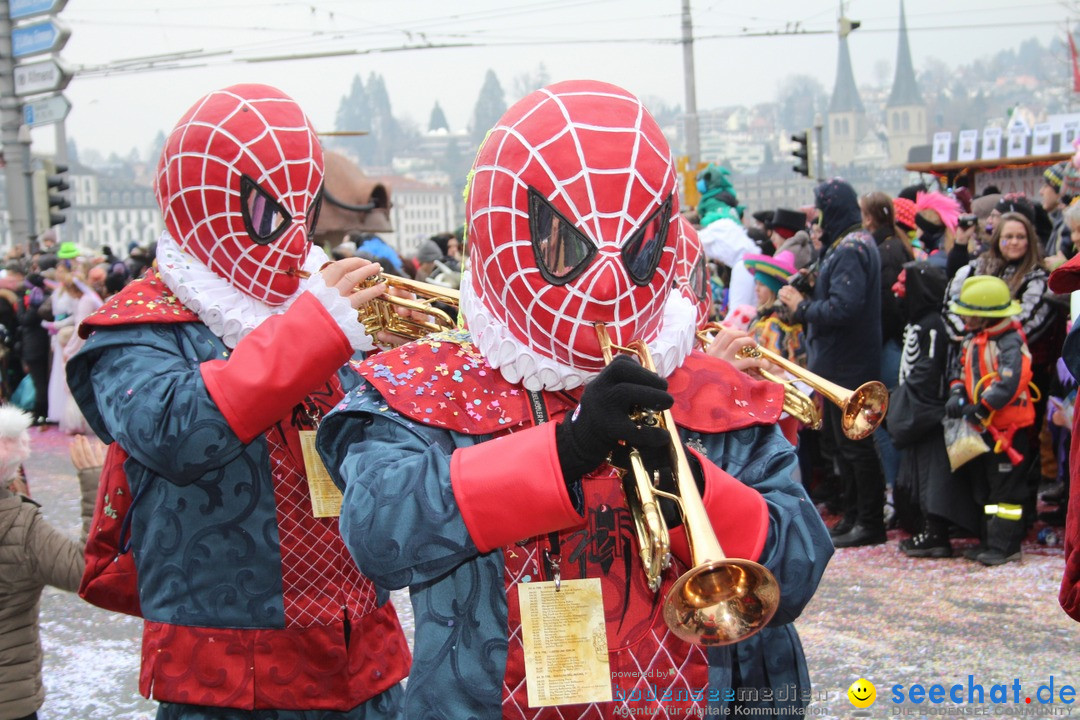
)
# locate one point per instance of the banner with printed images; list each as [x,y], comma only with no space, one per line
[1017,144]
[1041,139]
[991,146]
[969,145]
[1069,133]
[942,147]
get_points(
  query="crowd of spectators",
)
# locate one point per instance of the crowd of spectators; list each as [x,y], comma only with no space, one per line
[45,292]
[872,295]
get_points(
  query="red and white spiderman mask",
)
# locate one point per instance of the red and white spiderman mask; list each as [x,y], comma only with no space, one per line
[572,215]
[239,184]
[691,274]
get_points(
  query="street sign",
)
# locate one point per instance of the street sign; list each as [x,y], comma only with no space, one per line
[40,77]
[43,37]
[46,110]
[22,9]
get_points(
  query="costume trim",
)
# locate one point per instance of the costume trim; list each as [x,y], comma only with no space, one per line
[481,485]
[259,384]
[231,314]
[738,514]
[520,364]
[282,669]
[146,300]
[444,381]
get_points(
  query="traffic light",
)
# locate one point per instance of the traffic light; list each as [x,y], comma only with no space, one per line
[49,185]
[802,153]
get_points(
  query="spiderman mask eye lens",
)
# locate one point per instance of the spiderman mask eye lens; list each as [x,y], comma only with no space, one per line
[642,252]
[699,281]
[264,217]
[562,251]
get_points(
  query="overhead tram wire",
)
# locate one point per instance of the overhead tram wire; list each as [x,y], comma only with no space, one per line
[193,59]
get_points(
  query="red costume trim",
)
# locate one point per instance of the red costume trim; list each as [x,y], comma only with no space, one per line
[738,513]
[146,300]
[1069,596]
[291,669]
[482,484]
[259,384]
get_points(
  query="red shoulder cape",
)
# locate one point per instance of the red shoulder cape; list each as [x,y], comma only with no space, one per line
[146,300]
[442,380]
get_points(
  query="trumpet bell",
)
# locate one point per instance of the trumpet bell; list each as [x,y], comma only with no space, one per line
[864,410]
[721,602]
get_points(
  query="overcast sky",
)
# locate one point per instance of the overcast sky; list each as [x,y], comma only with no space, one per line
[632,43]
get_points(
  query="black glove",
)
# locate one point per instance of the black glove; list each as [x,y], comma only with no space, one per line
[602,418]
[975,412]
[954,406]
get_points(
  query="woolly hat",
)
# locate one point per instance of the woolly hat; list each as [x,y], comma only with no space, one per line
[983,205]
[1016,202]
[905,213]
[1055,175]
[428,252]
[772,272]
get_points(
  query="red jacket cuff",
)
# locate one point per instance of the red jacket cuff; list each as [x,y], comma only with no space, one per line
[738,513]
[275,366]
[504,502]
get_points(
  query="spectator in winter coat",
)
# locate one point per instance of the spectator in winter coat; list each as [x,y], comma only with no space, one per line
[843,321]
[33,554]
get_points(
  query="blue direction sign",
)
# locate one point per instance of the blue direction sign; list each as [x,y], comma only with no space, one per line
[22,9]
[42,37]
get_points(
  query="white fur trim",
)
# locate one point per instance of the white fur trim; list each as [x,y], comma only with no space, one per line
[520,364]
[231,314]
[13,421]
[343,313]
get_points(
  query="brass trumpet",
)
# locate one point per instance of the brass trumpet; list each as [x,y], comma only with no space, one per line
[796,403]
[403,315]
[397,314]
[862,409]
[720,600]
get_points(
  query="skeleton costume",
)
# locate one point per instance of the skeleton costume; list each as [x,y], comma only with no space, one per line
[447,454]
[205,372]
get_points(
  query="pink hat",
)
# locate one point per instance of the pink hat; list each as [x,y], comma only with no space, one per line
[781,265]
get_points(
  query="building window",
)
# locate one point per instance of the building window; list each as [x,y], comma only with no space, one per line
[906,119]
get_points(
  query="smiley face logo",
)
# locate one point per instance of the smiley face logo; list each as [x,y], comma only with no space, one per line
[862,693]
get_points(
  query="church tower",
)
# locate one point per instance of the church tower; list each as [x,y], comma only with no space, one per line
[847,117]
[905,111]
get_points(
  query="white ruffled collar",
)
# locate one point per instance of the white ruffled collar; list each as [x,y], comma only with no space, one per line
[229,313]
[520,364]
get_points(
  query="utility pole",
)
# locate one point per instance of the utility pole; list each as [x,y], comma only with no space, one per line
[15,137]
[693,143]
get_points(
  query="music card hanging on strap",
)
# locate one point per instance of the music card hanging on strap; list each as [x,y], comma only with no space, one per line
[564,639]
[325,496]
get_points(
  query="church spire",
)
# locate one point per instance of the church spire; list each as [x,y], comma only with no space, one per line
[845,95]
[905,89]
